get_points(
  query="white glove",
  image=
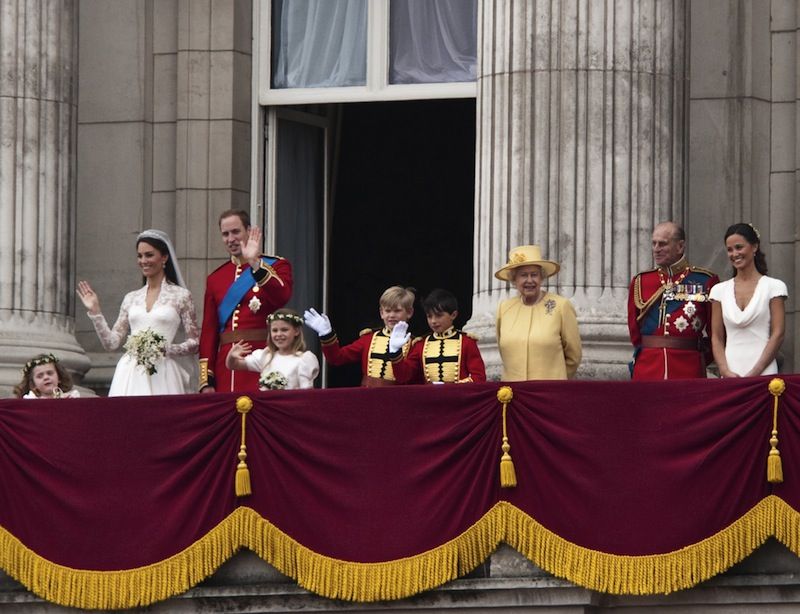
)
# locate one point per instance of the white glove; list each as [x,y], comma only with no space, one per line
[399,337]
[318,322]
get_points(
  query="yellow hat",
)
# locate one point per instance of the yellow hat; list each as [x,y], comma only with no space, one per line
[526,255]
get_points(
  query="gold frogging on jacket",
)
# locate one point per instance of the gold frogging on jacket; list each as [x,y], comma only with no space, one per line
[379,365]
[441,356]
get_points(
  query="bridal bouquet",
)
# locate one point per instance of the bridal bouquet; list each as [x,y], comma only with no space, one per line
[147,348]
[274,380]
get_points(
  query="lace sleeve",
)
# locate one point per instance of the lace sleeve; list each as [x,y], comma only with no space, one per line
[184,305]
[111,338]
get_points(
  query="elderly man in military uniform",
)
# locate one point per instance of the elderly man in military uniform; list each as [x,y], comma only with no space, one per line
[668,312]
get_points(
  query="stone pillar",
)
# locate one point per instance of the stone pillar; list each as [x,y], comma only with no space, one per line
[581,149]
[745,155]
[37,185]
[212,124]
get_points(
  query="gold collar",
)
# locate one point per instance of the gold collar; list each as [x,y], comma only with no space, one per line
[675,268]
[450,332]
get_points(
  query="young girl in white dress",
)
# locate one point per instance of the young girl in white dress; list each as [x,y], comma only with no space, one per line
[748,312]
[43,377]
[160,307]
[284,363]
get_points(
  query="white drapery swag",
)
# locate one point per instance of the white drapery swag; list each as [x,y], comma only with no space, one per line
[319,43]
[433,41]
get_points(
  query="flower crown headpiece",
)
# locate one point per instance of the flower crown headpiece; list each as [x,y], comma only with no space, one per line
[289,317]
[755,230]
[44,359]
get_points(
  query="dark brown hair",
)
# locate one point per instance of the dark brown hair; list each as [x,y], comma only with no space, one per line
[26,385]
[750,235]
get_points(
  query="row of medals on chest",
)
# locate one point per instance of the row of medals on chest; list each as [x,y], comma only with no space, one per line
[690,293]
[685,292]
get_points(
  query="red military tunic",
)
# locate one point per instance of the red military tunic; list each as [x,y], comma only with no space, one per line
[371,349]
[248,321]
[669,318]
[449,357]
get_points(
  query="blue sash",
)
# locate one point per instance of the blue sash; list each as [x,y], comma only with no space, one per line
[236,293]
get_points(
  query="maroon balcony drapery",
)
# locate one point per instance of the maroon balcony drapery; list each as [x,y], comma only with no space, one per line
[380,493]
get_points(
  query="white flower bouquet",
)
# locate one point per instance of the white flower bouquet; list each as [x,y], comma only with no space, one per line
[147,348]
[275,380]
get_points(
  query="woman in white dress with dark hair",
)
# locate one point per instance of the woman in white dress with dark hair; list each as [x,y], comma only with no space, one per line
[162,305]
[748,312]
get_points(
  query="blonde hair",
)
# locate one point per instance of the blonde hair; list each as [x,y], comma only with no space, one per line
[294,319]
[397,296]
[26,385]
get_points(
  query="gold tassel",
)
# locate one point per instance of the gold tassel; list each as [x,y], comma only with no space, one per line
[243,405]
[774,464]
[508,476]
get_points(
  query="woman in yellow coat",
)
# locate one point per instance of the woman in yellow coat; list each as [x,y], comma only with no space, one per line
[537,331]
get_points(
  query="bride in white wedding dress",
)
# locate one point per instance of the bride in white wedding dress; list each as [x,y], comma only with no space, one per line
[162,305]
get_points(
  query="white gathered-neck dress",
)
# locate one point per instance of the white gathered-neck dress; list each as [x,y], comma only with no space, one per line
[747,330]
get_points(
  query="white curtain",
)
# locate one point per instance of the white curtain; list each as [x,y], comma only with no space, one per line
[433,41]
[319,43]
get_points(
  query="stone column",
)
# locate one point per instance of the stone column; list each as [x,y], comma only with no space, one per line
[37,185]
[581,149]
[212,124]
[744,165]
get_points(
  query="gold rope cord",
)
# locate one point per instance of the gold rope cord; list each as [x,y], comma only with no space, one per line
[774,465]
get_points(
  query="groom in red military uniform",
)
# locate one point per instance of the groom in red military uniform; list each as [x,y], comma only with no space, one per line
[669,315]
[240,295]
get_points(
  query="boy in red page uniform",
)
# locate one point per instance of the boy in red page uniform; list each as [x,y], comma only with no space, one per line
[372,347]
[447,355]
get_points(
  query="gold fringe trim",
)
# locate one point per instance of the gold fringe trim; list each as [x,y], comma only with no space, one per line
[127,588]
[320,574]
[387,580]
[646,574]
[396,579]
[787,524]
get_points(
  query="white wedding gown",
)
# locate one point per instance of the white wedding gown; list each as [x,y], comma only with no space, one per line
[173,307]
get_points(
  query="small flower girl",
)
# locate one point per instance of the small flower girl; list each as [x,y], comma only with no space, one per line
[284,363]
[44,378]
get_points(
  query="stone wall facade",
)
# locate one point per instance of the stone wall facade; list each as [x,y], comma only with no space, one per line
[163,140]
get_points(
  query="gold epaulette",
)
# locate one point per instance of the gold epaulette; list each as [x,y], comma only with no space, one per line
[471,336]
[366,331]
[699,269]
[270,271]
[416,340]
